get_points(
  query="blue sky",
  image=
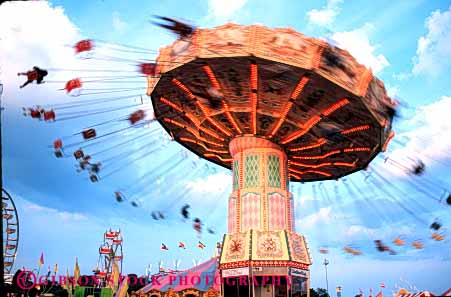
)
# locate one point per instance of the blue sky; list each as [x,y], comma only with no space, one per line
[63,214]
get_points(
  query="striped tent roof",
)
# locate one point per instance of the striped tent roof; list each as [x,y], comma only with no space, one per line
[207,272]
[418,294]
[446,293]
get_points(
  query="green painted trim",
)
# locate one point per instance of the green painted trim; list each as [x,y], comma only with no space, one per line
[222,248]
[251,171]
[236,174]
[273,171]
[288,245]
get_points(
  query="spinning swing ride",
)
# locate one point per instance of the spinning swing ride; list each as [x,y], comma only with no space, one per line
[272,105]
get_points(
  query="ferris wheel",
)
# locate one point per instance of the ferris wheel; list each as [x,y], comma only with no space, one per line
[10,231]
[110,251]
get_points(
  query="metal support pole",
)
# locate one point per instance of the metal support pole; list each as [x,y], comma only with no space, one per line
[252,277]
[326,262]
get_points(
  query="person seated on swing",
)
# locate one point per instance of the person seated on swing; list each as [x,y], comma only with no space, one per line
[419,168]
[95,168]
[37,74]
[119,196]
[34,112]
[94,178]
[181,29]
[84,162]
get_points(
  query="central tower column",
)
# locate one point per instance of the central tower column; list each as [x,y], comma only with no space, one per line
[261,242]
[260,199]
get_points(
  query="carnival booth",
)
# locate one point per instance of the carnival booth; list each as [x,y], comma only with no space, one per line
[198,281]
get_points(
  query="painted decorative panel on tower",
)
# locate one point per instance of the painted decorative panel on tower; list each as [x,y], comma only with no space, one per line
[250,211]
[273,166]
[298,248]
[277,211]
[252,174]
[269,245]
[236,247]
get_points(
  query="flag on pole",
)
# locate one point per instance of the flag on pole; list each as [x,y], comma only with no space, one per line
[67,286]
[382,285]
[122,290]
[182,245]
[55,269]
[201,245]
[76,272]
[164,247]
[41,260]
[49,272]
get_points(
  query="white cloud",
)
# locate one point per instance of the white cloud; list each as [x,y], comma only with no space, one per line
[303,198]
[434,49]
[359,46]
[402,76]
[323,215]
[118,23]
[214,184]
[70,216]
[64,216]
[359,232]
[326,15]
[392,91]
[34,33]
[429,134]
[224,9]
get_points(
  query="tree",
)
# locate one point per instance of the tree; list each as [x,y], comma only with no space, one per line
[313,293]
[322,292]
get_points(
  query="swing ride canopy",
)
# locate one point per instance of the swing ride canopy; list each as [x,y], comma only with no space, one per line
[327,112]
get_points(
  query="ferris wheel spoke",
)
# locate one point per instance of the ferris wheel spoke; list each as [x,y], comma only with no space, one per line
[10,233]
